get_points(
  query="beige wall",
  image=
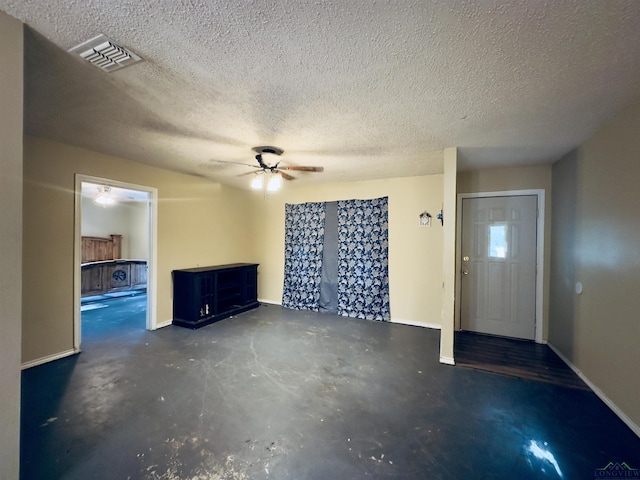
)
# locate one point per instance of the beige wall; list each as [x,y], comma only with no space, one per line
[139,230]
[596,241]
[450,164]
[518,178]
[415,253]
[199,223]
[11,47]
[505,178]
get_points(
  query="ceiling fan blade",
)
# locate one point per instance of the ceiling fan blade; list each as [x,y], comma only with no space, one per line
[286,176]
[223,163]
[302,169]
[252,172]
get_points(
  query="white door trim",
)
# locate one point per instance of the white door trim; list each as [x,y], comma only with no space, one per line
[539,193]
[152,284]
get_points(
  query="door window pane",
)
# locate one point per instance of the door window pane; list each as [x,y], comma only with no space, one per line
[498,241]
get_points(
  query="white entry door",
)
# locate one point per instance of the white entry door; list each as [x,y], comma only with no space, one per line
[498,265]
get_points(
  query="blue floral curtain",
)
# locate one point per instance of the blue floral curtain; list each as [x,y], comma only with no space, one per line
[304,236]
[362,289]
[363,253]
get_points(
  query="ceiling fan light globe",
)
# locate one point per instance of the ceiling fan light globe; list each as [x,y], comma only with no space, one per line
[257,183]
[275,182]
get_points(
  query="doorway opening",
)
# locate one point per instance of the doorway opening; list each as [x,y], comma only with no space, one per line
[115,257]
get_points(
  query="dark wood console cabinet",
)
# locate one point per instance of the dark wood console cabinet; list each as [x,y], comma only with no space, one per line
[205,295]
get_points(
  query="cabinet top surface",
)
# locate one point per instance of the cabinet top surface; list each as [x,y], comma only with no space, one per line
[217,267]
[116,261]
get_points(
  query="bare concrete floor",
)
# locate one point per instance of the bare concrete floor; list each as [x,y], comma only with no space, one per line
[281,394]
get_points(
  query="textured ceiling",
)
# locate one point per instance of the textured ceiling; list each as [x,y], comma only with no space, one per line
[366,89]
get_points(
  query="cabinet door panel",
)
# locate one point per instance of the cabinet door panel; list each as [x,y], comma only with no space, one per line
[118,276]
[92,280]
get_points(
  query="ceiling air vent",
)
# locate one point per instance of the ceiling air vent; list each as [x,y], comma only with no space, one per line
[105,54]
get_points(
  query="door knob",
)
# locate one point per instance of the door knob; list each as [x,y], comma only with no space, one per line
[465,272]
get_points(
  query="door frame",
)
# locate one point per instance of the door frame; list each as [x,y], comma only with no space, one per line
[152,262]
[539,281]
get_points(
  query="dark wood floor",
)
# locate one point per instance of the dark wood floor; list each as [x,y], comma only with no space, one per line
[514,358]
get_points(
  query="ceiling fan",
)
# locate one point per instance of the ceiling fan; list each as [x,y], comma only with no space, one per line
[269,177]
[266,173]
[277,168]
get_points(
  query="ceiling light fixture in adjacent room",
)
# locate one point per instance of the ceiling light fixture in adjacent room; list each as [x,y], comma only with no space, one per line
[104,198]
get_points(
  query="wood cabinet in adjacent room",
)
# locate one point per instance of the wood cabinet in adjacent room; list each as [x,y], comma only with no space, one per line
[204,295]
[98,278]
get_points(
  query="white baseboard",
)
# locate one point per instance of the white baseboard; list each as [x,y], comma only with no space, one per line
[447,360]
[48,358]
[415,323]
[630,423]
[270,302]
[163,324]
